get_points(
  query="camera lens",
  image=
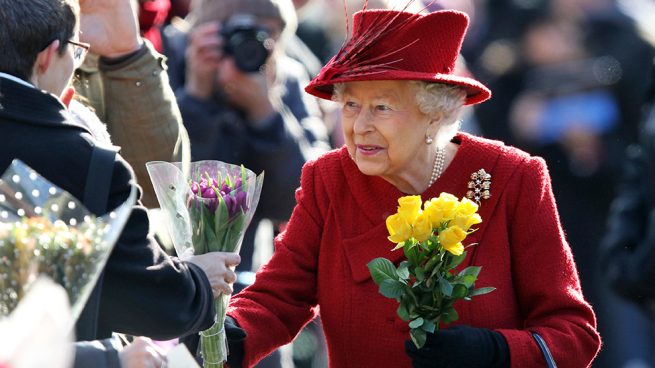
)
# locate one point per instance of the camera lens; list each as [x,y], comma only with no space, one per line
[246,42]
[249,53]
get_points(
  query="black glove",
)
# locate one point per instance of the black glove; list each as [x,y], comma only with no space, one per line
[460,346]
[235,337]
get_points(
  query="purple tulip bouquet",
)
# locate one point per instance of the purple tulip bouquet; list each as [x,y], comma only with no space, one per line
[207,210]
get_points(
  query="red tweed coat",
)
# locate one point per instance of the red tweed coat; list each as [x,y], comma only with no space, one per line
[338,226]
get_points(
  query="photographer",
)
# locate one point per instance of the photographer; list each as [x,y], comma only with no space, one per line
[258,117]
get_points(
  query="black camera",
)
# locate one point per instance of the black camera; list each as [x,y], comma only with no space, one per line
[247,42]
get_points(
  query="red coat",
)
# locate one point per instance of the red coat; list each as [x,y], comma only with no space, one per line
[338,226]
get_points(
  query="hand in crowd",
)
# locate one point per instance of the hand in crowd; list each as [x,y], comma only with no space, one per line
[248,91]
[142,353]
[460,346]
[110,26]
[219,267]
[203,55]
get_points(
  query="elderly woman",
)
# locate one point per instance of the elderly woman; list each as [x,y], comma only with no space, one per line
[400,98]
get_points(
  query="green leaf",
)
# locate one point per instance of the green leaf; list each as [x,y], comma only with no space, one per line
[412,255]
[472,270]
[382,269]
[244,176]
[420,274]
[467,280]
[460,291]
[424,246]
[403,271]
[445,287]
[481,291]
[416,323]
[418,337]
[450,315]
[425,299]
[392,288]
[428,326]
[454,261]
[402,311]
[211,240]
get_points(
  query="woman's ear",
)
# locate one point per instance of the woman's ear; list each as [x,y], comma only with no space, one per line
[44,58]
[433,126]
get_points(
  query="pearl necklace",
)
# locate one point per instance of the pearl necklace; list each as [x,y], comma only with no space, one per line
[437,167]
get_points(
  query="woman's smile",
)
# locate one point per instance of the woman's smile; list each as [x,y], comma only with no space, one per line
[368,150]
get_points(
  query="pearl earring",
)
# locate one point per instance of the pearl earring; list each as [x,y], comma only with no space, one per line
[428,139]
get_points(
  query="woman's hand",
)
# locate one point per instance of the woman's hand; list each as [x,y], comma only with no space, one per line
[142,353]
[461,346]
[219,268]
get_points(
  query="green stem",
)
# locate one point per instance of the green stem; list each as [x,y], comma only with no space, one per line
[213,343]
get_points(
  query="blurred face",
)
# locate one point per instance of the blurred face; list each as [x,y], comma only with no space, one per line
[60,71]
[385,132]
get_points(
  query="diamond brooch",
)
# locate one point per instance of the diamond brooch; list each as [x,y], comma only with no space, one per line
[479,186]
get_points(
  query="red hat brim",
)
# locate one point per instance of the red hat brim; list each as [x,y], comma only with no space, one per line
[476,92]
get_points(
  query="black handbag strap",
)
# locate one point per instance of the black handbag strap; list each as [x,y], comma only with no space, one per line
[550,362]
[96,198]
[98,179]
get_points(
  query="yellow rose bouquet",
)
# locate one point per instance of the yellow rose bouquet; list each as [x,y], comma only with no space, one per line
[426,285]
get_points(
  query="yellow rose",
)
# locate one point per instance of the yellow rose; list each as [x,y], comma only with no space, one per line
[466,207]
[456,249]
[422,228]
[399,229]
[451,239]
[441,209]
[409,207]
[465,221]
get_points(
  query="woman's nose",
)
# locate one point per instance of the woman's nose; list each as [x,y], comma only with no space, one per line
[363,122]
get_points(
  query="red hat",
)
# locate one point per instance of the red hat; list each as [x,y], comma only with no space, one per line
[397,45]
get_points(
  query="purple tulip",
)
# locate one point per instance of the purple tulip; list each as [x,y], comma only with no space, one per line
[212,204]
[229,203]
[194,188]
[241,199]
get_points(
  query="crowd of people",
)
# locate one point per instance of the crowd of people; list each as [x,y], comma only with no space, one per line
[346,110]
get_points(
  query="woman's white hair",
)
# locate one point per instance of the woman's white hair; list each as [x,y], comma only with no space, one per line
[438,101]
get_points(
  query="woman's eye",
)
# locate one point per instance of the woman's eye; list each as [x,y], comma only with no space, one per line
[350,105]
[382,108]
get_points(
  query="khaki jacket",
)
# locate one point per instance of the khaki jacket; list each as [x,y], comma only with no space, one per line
[134,98]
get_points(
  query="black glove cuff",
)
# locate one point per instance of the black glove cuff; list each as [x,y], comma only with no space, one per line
[235,338]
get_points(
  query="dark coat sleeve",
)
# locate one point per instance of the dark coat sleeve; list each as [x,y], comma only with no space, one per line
[98,354]
[146,292]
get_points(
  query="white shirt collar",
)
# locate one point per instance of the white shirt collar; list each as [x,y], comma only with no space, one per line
[16,79]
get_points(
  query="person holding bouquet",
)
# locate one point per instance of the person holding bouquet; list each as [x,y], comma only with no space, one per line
[400,97]
[142,291]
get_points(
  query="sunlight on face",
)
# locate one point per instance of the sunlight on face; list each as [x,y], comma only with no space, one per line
[385,131]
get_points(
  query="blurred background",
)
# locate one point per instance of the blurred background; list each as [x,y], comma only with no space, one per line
[571,81]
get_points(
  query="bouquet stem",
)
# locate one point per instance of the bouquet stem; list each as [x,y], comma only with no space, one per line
[213,342]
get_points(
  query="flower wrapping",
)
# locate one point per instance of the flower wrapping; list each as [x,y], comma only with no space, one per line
[425,284]
[46,231]
[207,210]
[37,333]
